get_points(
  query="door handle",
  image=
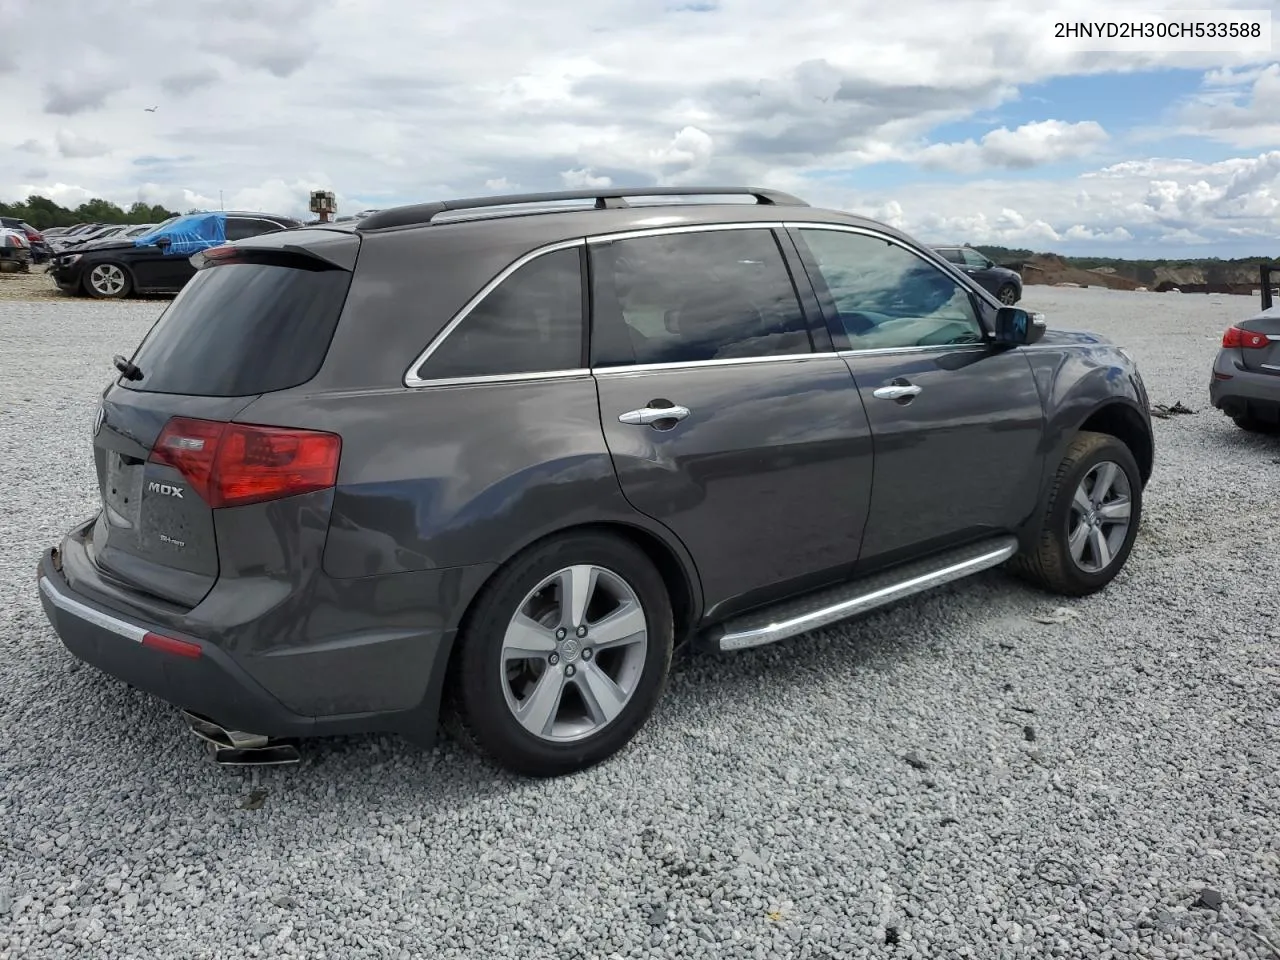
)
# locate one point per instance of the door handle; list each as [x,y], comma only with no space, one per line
[647,416]
[897,391]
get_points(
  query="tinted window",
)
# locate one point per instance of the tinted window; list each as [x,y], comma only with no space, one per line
[701,296]
[886,296]
[240,228]
[529,323]
[952,255]
[973,258]
[242,328]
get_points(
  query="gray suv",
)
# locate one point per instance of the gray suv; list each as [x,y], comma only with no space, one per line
[492,460]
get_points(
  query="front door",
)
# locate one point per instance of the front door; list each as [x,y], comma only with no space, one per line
[957,421]
[763,465]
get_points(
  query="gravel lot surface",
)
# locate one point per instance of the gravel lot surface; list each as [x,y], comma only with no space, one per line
[950,778]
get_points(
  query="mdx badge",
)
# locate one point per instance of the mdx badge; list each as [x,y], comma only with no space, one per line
[164,489]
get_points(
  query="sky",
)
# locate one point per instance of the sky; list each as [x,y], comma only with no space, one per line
[956,120]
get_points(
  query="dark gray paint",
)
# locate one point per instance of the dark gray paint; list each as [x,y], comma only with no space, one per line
[343,605]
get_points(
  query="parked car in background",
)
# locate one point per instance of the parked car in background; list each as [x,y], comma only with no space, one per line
[157,261]
[77,238]
[1001,282]
[15,251]
[505,463]
[129,232]
[35,240]
[1246,374]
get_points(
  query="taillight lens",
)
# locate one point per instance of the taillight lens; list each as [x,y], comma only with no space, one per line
[233,464]
[1244,339]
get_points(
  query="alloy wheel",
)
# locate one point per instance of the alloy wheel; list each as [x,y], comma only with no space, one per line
[107,279]
[573,653]
[1100,514]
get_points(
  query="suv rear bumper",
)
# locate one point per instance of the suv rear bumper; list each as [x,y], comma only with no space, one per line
[217,684]
[211,684]
[1238,392]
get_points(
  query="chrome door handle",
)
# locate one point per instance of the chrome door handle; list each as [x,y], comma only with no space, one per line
[897,391]
[646,416]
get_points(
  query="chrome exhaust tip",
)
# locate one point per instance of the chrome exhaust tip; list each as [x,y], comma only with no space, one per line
[239,749]
[272,755]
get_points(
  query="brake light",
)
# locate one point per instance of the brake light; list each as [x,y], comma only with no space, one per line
[1244,339]
[233,464]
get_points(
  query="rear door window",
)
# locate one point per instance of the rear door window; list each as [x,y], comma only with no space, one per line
[241,228]
[241,329]
[690,297]
[532,322]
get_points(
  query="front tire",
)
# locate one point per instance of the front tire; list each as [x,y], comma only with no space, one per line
[564,657]
[1090,521]
[108,281]
[1008,295]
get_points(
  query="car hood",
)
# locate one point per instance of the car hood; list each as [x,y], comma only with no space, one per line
[100,245]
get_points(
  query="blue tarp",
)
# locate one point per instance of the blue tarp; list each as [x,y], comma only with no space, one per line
[188,235]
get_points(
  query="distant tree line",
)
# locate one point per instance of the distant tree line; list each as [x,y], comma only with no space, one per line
[42,213]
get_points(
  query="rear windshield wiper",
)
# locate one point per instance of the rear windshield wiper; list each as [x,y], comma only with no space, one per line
[128,368]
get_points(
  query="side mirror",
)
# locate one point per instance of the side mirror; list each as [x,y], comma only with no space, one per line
[163,242]
[1019,327]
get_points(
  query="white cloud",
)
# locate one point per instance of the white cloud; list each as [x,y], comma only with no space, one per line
[75,147]
[1030,145]
[583,180]
[1237,107]
[1136,204]
[388,101]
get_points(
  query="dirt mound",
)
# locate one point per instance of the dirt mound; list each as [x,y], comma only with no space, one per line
[1048,269]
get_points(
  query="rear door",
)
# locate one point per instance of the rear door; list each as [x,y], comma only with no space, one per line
[237,331]
[763,468]
[957,421]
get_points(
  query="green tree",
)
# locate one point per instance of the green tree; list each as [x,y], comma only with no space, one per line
[42,213]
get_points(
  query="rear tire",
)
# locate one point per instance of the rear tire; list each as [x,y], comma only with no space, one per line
[1254,425]
[1086,532]
[596,666]
[108,281]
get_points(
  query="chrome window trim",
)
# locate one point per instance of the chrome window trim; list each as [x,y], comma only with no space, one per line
[928,348]
[496,378]
[659,231]
[624,369]
[411,379]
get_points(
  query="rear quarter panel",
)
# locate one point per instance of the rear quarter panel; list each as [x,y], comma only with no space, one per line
[452,476]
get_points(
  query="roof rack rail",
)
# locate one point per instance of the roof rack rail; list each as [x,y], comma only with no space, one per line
[423,213]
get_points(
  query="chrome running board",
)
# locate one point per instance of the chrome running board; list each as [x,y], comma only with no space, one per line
[833,604]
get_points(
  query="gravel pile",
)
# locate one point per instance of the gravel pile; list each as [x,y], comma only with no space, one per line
[980,772]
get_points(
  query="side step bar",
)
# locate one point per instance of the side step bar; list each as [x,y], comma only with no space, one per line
[833,604]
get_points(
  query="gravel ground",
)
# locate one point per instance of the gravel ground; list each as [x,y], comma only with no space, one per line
[950,778]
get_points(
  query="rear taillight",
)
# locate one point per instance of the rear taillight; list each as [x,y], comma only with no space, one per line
[34,237]
[233,464]
[1244,339]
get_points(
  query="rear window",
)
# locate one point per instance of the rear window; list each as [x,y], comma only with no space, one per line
[241,329]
